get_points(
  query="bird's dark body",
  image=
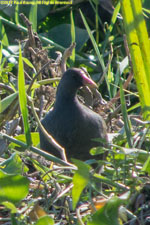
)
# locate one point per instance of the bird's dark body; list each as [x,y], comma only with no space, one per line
[72,124]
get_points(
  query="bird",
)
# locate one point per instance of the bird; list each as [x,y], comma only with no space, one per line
[72,124]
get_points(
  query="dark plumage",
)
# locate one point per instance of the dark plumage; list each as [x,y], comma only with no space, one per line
[72,124]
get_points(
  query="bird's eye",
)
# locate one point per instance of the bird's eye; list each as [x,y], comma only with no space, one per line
[74,75]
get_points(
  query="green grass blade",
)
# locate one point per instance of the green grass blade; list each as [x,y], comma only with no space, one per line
[33,15]
[72,57]
[5,103]
[97,24]
[23,99]
[110,28]
[137,105]
[142,34]
[3,35]
[28,63]
[1,47]
[139,47]
[94,9]
[125,116]
[17,14]
[100,58]
[1,53]
[93,42]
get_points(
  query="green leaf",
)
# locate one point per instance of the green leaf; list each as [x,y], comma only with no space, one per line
[108,214]
[80,180]
[10,206]
[13,188]
[137,105]
[97,150]
[42,169]
[5,103]
[1,56]
[125,116]
[45,220]
[23,99]
[3,35]
[13,165]
[28,62]
[146,166]
[65,40]
[21,137]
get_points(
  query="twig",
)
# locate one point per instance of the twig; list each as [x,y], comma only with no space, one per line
[66,55]
[6,87]
[36,76]
[29,27]
[113,114]
[79,215]
[64,191]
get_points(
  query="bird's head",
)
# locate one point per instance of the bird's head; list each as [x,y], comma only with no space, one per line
[78,78]
[71,81]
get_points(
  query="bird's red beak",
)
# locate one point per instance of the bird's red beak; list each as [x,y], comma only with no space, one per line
[87,81]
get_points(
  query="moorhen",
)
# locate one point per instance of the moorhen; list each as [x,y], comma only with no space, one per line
[72,124]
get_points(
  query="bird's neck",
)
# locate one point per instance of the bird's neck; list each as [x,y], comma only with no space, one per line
[66,97]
